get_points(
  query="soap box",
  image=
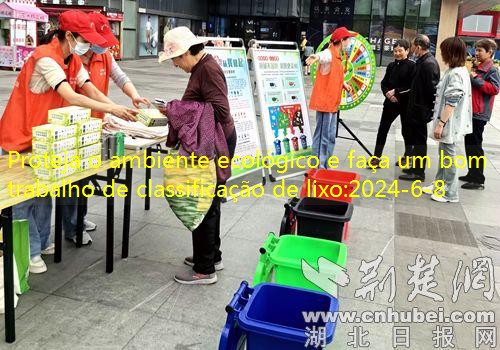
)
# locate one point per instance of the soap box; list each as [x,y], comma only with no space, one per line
[152,117]
[56,160]
[52,133]
[68,115]
[56,173]
[89,126]
[89,139]
[90,151]
[44,147]
[90,163]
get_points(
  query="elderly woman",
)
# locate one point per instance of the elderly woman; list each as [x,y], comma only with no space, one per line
[452,118]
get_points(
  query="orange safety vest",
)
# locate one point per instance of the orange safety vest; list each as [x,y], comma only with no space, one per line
[26,109]
[327,89]
[99,68]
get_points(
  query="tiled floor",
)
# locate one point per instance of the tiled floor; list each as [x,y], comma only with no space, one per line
[76,305]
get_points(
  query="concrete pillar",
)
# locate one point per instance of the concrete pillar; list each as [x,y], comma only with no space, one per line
[447,25]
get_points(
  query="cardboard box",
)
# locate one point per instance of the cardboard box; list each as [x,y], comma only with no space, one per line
[89,126]
[52,133]
[68,115]
[56,173]
[88,139]
[44,147]
[90,163]
[152,117]
[56,160]
[90,151]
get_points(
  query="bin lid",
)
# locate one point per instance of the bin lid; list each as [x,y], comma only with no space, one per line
[300,210]
[249,324]
[291,249]
[331,176]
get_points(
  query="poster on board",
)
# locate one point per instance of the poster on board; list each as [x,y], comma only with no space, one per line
[282,102]
[233,62]
[148,35]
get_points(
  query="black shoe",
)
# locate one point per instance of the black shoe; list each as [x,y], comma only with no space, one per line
[412,177]
[465,178]
[473,186]
[408,171]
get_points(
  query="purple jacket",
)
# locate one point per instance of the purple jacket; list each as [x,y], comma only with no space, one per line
[193,124]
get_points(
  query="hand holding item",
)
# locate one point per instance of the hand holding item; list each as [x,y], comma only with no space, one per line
[473,74]
[138,100]
[393,99]
[390,94]
[312,59]
[124,113]
[438,131]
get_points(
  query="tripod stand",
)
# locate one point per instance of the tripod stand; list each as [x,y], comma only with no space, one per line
[354,137]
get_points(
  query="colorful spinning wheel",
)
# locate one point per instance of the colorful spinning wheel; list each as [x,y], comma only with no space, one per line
[359,67]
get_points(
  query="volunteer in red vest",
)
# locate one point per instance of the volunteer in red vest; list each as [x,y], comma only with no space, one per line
[101,66]
[48,80]
[327,93]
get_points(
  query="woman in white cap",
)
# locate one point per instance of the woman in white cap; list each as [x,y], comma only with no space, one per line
[206,84]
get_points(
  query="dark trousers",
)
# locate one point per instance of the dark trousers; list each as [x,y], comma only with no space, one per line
[206,237]
[389,115]
[417,133]
[474,148]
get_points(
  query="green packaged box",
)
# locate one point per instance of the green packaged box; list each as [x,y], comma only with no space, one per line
[52,133]
[89,126]
[56,160]
[152,117]
[56,173]
[68,115]
[88,139]
[90,151]
[90,163]
[45,147]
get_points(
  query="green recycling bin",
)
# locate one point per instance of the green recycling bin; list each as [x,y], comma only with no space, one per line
[282,258]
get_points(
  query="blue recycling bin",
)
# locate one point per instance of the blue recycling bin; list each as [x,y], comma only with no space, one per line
[270,316]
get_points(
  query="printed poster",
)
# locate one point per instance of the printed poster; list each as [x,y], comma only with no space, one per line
[283,102]
[233,62]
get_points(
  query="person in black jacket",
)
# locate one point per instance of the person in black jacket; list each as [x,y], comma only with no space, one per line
[396,87]
[420,105]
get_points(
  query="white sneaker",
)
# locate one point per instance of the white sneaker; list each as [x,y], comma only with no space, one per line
[428,189]
[50,250]
[86,239]
[89,225]
[443,200]
[37,265]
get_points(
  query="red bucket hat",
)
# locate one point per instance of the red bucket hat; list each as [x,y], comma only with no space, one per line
[103,28]
[78,22]
[341,33]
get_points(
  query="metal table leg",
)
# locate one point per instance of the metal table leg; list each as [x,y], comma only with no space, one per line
[82,202]
[126,211]
[147,200]
[58,231]
[110,224]
[8,276]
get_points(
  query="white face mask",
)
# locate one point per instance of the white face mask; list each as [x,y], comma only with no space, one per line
[80,49]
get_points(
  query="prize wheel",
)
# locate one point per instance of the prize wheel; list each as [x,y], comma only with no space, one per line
[359,70]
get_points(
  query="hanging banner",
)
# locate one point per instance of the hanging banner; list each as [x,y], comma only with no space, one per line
[233,62]
[282,102]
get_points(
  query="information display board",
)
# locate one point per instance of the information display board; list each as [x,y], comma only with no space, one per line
[282,101]
[233,62]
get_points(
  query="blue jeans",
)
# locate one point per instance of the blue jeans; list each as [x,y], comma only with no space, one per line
[324,137]
[38,212]
[448,175]
[69,215]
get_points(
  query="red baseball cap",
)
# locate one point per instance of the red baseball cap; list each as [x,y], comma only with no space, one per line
[341,33]
[103,28]
[78,22]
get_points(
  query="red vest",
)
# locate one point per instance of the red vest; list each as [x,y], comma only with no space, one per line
[25,109]
[327,89]
[99,69]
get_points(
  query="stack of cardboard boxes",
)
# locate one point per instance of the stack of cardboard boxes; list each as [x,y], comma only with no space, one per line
[71,141]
